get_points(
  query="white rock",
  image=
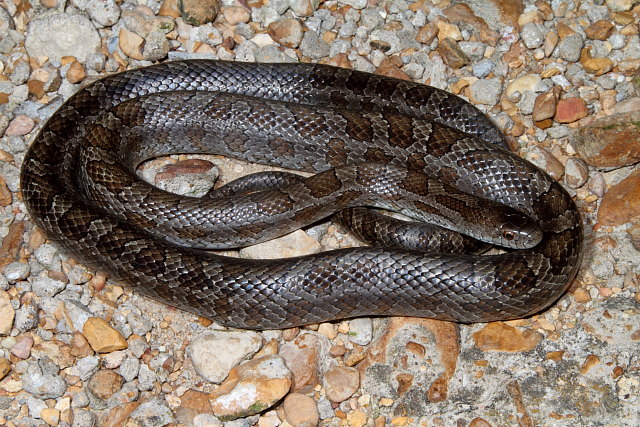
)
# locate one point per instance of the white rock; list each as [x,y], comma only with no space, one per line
[214,354]
[61,35]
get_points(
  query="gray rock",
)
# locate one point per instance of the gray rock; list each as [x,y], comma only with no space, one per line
[27,315]
[152,414]
[486,91]
[527,102]
[35,406]
[42,380]
[313,46]
[532,35]
[146,377]
[483,68]
[214,354]
[361,330]
[79,400]
[61,35]
[16,271]
[569,47]
[371,19]
[83,418]
[20,73]
[45,254]
[103,12]
[87,366]
[348,29]
[356,4]
[301,7]
[325,409]
[474,50]
[47,287]
[576,172]
[129,368]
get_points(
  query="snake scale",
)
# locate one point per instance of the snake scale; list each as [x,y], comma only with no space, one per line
[351,128]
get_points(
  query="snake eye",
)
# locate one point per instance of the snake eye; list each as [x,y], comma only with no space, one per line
[509,235]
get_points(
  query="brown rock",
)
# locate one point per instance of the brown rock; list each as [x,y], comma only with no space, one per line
[131,44]
[451,54]
[236,14]
[192,403]
[288,32]
[622,18]
[479,422]
[550,43]
[634,235]
[80,346]
[20,125]
[610,141]
[118,416]
[5,194]
[104,383]
[341,382]
[427,33]
[463,13]
[198,12]
[599,30]
[251,388]
[11,244]
[498,336]
[570,110]
[390,67]
[36,88]
[448,30]
[591,361]
[576,172]
[5,368]
[301,410]
[597,66]
[508,11]
[544,9]
[620,203]
[102,337]
[76,72]
[169,8]
[50,416]
[544,106]
[545,161]
[302,358]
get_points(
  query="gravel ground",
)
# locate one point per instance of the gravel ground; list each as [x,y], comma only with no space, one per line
[561,78]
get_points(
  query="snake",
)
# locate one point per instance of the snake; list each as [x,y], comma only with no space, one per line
[369,142]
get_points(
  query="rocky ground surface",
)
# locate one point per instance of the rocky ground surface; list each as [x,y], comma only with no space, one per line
[561,78]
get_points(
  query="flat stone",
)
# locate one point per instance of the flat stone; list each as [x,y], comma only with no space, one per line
[569,110]
[20,125]
[251,388]
[302,356]
[611,141]
[214,354]
[620,203]
[301,410]
[102,337]
[341,382]
[498,336]
[521,84]
[61,35]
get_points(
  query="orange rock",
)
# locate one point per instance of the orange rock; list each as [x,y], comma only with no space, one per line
[498,336]
[620,203]
[600,30]
[390,67]
[427,33]
[302,358]
[192,403]
[451,53]
[102,337]
[544,106]
[570,110]
[76,72]
[5,194]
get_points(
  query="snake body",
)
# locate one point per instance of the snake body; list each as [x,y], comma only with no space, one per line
[78,183]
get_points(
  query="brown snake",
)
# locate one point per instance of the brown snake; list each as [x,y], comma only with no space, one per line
[372,140]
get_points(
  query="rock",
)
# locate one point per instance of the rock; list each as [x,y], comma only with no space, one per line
[80,37]
[600,30]
[341,382]
[427,33]
[214,354]
[293,244]
[482,68]
[301,410]
[76,72]
[361,330]
[307,7]
[50,416]
[22,348]
[302,358]
[597,66]
[16,271]
[7,313]
[103,12]
[5,368]
[313,46]
[236,14]
[620,5]
[152,413]
[20,125]
[447,30]
[192,404]
[570,46]
[544,106]
[6,197]
[102,337]
[251,388]
[531,35]
[569,110]
[198,12]
[288,32]
[486,91]
[359,419]
[104,383]
[451,53]
[545,161]
[42,380]
[620,203]
[610,141]
[576,173]
[521,84]
[462,13]
[498,336]
[27,316]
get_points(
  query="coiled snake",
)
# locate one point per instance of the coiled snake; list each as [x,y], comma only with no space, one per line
[355,130]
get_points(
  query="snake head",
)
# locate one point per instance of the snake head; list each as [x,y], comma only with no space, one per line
[518,231]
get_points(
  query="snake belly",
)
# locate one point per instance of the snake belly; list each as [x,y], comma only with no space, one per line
[459,146]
